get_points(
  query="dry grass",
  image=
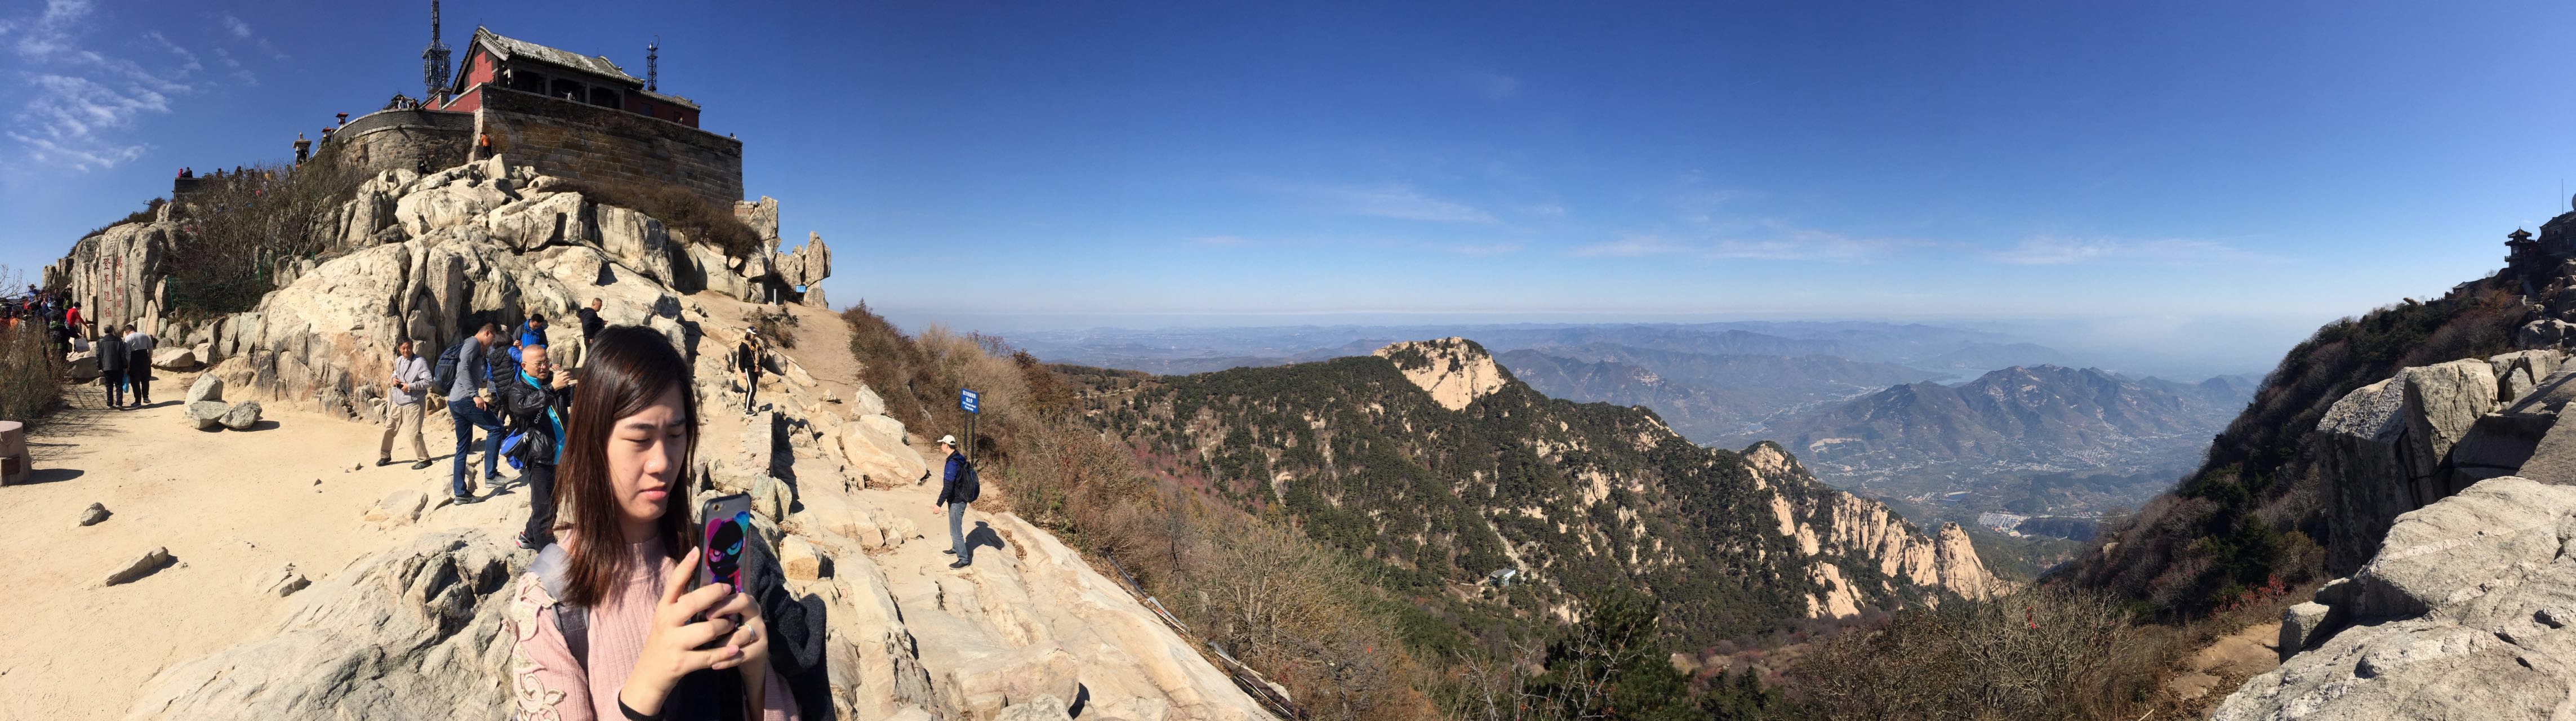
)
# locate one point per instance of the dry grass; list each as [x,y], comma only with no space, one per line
[779,326]
[236,231]
[2042,653]
[1268,595]
[31,376]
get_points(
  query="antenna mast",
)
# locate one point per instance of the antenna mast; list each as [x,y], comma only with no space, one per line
[652,63]
[433,61]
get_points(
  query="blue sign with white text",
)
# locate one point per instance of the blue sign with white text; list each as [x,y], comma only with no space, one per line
[966,400]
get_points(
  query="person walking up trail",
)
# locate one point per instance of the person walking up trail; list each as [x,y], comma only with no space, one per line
[535,399]
[138,365]
[747,355]
[469,401]
[403,419]
[957,487]
[111,368]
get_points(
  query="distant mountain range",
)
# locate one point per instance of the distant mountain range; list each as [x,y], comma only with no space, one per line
[2042,439]
[1705,397]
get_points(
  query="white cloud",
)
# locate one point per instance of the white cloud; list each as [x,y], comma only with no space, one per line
[2054,250]
[239,29]
[187,60]
[51,31]
[1791,244]
[1494,86]
[1631,247]
[1398,201]
[75,99]
[1478,249]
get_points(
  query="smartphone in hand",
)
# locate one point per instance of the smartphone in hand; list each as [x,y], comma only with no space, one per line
[724,533]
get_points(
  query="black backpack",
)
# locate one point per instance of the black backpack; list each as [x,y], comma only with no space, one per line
[969,486]
[445,377]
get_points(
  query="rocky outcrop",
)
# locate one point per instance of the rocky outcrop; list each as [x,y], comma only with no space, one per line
[1845,525]
[412,633]
[2429,431]
[426,257]
[1455,371]
[2462,613]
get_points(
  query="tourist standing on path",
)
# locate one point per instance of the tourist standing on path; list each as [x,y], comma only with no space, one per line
[625,563]
[72,320]
[404,417]
[111,368]
[536,401]
[957,487]
[469,401]
[590,325]
[747,355]
[138,365]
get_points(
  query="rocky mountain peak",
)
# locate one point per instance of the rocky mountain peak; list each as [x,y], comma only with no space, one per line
[1455,371]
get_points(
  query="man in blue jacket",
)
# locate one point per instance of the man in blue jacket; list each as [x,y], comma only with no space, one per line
[957,487]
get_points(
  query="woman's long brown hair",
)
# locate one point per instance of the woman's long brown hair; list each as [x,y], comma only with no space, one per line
[626,370]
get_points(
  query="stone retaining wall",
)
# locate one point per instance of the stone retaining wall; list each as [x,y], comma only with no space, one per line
[586,142]
[404,139]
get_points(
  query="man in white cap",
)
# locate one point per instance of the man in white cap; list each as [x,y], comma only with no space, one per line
[957,487]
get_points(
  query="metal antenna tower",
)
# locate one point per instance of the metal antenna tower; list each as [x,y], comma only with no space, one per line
[653,63]
[433,61]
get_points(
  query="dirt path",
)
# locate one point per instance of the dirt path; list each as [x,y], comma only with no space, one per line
[229,506]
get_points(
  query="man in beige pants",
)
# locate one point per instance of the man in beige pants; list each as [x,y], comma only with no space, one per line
[405,413]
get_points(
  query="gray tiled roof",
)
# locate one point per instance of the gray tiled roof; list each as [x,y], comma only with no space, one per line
[513,49]
[673,99]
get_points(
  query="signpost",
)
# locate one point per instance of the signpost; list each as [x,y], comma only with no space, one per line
[970,402]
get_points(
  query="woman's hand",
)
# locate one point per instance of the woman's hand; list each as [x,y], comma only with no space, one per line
[671,642]
[752,636]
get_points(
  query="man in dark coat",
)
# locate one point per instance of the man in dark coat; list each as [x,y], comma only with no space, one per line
[537,399]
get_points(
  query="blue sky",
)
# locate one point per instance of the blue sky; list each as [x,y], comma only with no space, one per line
[2151,165]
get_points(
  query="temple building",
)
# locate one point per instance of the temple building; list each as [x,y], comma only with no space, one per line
[493,61]
[570,115]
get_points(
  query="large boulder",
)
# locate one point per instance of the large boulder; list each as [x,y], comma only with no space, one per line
[81,366]
[458,201]
[176,359]
[2460,615]
[415,632]
[879,457]
[204,415]
[2387,448]
[636,241]
[242,415]
[207,388]
[539,221]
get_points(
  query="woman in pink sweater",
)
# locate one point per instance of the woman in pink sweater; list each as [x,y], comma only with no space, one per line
[627,450]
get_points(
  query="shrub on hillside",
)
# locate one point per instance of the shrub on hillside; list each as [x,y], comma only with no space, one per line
[236,231]
[777,325]
[151,210]
[2040,653]
[31,377]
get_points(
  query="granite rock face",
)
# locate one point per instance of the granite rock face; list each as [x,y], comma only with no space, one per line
[2463,613]
[2429,431]
[411,633]
[426,257]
